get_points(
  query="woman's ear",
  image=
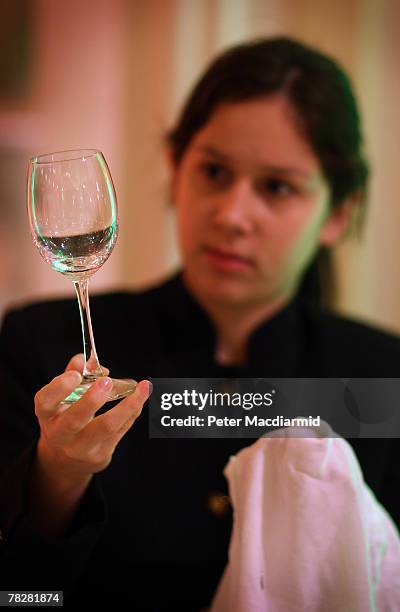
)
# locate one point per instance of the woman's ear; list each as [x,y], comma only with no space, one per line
[339,220]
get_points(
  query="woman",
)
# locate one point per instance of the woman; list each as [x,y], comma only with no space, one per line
[267,168]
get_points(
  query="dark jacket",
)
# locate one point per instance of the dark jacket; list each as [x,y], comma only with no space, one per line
[150,532]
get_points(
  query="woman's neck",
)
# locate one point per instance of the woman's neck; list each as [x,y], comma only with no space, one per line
[234,327]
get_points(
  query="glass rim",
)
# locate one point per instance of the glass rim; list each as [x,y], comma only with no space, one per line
[64,156]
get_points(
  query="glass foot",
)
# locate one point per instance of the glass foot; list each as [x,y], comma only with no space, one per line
[121,388]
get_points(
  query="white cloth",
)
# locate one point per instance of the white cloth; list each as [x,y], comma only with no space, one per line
[308,534]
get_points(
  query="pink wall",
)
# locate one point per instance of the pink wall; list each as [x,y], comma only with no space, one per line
[75,101]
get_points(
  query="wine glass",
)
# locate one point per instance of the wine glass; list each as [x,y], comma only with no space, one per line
[73,217]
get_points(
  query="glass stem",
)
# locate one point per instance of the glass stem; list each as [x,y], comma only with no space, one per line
[92,368]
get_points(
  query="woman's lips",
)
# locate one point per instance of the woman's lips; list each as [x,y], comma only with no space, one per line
[227,260]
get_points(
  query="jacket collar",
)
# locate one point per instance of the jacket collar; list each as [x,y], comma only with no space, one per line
[274,346]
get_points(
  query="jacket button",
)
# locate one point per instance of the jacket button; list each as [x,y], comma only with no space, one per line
[218,503]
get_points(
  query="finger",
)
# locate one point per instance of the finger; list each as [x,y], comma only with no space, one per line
[48,397]
[77,362]
[115,422]
[107,446]
[79,414]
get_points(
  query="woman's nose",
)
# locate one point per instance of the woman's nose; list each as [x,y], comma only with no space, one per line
[233,210]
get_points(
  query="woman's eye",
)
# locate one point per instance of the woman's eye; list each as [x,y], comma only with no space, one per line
[278,187]
[214,173]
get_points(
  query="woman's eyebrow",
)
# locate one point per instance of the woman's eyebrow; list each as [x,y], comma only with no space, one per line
[286,170]
[211,151]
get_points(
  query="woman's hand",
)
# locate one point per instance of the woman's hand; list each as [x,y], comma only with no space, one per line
[74,444]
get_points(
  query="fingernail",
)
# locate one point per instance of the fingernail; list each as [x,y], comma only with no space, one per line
[150,387]
[105,383]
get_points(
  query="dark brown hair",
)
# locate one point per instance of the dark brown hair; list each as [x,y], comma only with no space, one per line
[316,86]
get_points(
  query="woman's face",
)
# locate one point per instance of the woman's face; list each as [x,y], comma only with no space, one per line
[252,204]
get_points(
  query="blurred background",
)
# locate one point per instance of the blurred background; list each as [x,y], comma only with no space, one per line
[112,74]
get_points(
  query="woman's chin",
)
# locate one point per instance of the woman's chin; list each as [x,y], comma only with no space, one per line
[224,291]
